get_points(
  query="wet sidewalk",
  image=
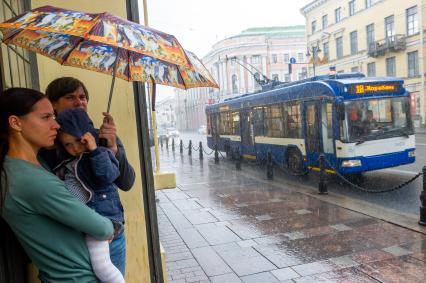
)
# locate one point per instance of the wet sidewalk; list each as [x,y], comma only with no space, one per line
[223,225]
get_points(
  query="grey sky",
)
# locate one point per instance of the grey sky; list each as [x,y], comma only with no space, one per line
[198,24]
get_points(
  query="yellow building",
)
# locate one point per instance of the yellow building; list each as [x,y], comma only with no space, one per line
[374,37]
[20,68]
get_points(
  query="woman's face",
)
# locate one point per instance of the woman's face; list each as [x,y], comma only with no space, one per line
[39,127]
[75,99]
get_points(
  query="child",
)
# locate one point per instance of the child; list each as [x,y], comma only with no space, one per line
[89,175]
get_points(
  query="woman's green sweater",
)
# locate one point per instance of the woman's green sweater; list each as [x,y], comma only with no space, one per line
[50,223]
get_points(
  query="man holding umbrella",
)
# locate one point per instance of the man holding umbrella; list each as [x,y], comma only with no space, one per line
[66,93]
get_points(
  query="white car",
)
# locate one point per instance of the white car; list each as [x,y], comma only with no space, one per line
[172,132]
[202,130]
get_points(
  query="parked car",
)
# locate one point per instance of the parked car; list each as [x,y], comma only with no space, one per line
[202,130]
[172,132]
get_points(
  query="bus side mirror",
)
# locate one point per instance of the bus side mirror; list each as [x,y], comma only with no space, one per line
[341,111]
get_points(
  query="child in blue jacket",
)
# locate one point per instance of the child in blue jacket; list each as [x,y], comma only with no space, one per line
[89,175]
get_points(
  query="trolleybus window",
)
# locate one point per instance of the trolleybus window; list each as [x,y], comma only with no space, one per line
[258,121]
[225,123]
[377,119]
[294,120]
[235,123]
[274,121]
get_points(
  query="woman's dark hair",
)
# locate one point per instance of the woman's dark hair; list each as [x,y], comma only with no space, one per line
[62,86]
[13,101]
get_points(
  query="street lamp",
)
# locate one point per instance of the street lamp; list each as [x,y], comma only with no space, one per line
[314,50]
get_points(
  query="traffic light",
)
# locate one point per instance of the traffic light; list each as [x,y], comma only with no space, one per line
[289,69]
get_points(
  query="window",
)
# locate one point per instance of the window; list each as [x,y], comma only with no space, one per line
[413,64]
[235,123]
[324,21]
[234,84]
[354,42]
[225,123]
[390,28]
[338,15]
[286,58]
[367,4]
[274,58]
[274,121]
[352,8]
[255,59]
[293,120]
[259,121]
[19,66]
[370,36]
[326,50]
[371,69]
[412,21]
[314,26]
[300,58]
[275,77]
[355,69]
[339,47]
[390,67]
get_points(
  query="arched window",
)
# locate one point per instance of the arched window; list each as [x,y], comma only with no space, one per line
[234,84]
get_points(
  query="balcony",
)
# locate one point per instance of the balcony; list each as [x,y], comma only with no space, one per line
[393,43]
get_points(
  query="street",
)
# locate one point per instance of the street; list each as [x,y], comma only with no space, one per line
[221,224]
[405,200]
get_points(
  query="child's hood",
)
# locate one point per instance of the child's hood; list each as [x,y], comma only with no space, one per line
[75,122]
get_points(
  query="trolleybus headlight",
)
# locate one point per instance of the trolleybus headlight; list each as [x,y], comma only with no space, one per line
[411,154]
[351,163]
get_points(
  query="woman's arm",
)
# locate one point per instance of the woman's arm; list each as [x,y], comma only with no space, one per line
[55,201]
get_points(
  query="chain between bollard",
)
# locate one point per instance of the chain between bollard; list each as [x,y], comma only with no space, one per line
[400,186]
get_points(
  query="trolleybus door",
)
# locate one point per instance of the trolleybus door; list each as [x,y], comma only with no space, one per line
[247,134]
[319,133]
[312,133]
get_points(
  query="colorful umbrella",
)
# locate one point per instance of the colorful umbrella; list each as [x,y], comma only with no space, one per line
[107,44]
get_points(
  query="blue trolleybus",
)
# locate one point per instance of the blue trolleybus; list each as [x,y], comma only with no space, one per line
[360,124]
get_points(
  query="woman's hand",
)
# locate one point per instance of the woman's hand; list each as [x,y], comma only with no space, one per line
[89,141]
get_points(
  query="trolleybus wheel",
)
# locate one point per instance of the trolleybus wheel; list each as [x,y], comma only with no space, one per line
[294,161]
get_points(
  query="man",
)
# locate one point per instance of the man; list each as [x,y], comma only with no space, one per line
[66,93]
[369,123]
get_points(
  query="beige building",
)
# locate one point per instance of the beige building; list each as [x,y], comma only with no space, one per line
[374,37]
[235,61]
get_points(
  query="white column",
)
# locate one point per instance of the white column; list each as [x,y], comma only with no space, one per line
[242,78]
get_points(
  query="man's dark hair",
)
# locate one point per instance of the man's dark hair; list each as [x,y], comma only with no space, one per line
[62,86]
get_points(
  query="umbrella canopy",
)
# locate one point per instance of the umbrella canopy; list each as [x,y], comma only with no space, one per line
[107,44]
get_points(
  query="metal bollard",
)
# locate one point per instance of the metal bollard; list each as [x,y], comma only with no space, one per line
[173,145]
[190,148]
[167,143]
[322,186]
[201,150]
[269,167]
[161,142]
[181,147]
[422,220]
[216,155]
[238,163]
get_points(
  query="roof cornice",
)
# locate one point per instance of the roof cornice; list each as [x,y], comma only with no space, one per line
[311,6]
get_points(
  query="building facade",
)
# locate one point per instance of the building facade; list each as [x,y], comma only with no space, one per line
[235,62]
[166,113]
[375,37]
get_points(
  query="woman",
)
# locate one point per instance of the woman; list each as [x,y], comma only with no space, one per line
[48,221]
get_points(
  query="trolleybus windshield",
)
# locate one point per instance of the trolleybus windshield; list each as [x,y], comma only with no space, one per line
[373,119]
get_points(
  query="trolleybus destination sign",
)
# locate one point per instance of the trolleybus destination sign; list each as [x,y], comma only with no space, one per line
[367,88]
